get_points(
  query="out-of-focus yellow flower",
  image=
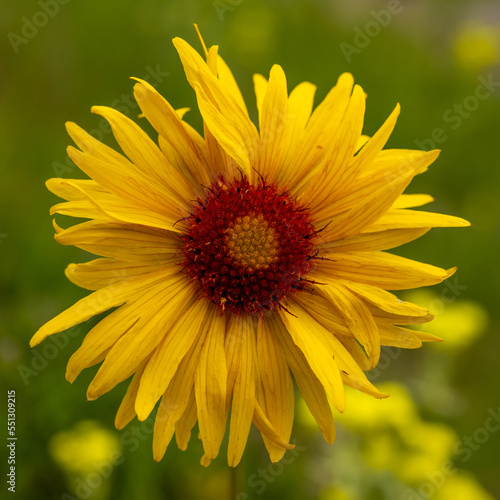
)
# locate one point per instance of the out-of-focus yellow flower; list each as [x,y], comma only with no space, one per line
[462,486]
[335,493]
[397,411]
[396,439]
[79,449]
[459,323]
[428,446]
[476,46]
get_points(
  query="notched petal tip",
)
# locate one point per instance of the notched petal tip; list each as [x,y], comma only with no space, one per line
[451,272]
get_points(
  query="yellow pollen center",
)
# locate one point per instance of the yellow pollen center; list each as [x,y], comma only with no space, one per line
[251,242]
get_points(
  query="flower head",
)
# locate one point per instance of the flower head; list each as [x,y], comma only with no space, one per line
[241,256]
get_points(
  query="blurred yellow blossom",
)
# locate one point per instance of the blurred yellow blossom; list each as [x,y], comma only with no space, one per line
[476,45]
[81,448]
[395,437]
[458,322]
[462,486]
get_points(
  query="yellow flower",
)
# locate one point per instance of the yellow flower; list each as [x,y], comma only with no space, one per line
[241,256]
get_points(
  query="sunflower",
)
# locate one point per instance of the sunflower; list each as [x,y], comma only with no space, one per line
[239,258]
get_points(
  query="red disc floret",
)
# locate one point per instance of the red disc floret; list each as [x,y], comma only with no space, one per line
[248,246]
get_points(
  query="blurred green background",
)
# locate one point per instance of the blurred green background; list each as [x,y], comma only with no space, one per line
[436,437]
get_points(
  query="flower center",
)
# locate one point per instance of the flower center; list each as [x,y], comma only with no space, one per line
[248,247]
[251,242]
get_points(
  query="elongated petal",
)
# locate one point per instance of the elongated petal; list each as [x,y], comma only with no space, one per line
[185,424]
[109,330]
[241,329]
[143,337]
[227,78]
[176,398]
[358,318]
[99,273]
[121,241]
[110,207]
[381,240]
[407,219]
[366,211]
[126,411]
[412,200]
[310,387]
[96,303]
[274,444]
[277,386]
[350,372]
[381,269]
[169,125]
[210,389]
[300,104]
[273,124]
[385,300]
[167,356]
[304,331]
[336,171]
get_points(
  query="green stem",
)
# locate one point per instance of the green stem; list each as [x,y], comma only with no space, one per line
[235,481]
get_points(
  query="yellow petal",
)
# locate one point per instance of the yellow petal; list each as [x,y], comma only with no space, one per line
[412,200]
[104,335]
[300,104]
[385,300]
[170,126]
[239,139]
[368,183]
[325,123]
[400,218]
[131,186]
[143,337]
[99,273]
[167,356]
[274,444]
[306,334]
[242,333]
[185,424]
[229,82]
[397,336]
[177,396]
[210,389]
[277,387]
[387,271]
[96,303]
[260,88]
[327,341]
[223,115]
[358,318]
[310,387]
[121,241]
[381,240]
[126,411]
[273,120]
[336,171]
[106,206]
[365,212]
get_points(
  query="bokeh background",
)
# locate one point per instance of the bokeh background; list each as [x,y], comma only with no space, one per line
[438,436]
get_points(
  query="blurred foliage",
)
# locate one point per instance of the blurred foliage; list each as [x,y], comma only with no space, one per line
[431,57]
